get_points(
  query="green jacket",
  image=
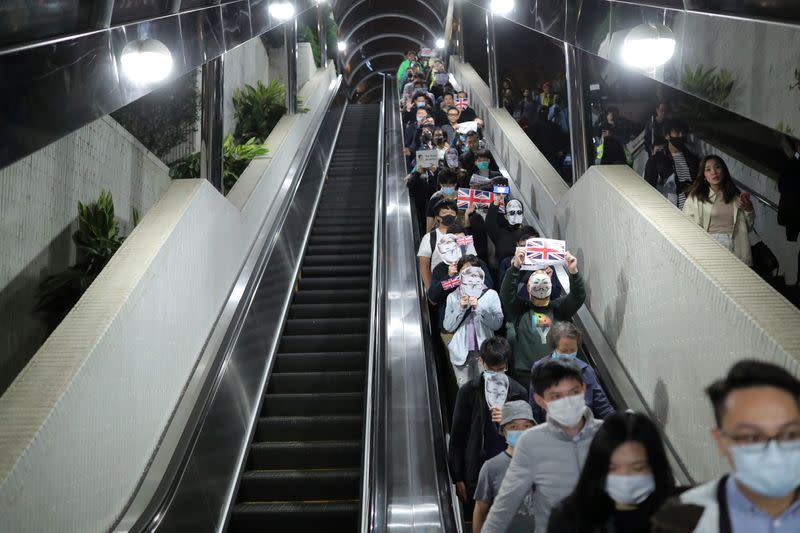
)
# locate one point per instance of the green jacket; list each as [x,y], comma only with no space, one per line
[529,325]
[401,72]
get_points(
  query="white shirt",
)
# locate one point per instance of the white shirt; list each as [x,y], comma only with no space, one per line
[436,258]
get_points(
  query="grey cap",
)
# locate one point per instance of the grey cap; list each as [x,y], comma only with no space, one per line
[518,409]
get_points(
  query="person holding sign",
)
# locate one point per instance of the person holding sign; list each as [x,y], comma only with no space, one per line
[472,315]
[445,280]
[516,419]
[462,103]
[474,436]
[532,320]
[504,229]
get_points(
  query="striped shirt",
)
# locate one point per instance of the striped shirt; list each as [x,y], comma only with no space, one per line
[682,177]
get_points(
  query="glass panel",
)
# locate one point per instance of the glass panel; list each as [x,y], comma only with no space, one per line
[131,10]
[475,40]
[25,21]
[784,10]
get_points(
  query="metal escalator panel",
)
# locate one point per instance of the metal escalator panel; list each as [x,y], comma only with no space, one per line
[303,468]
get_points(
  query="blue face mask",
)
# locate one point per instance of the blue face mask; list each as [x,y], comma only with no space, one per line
[420,104]
[772,471]
[568,356]
[512,437]
[482,165]
[448,190]
[420,119]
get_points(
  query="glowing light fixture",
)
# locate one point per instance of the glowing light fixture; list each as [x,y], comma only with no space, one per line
[281,10]
[501,7]
[440,43]
[341,46]
[146,61]
[648,46]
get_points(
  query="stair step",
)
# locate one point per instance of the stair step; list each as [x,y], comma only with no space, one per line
[299,485]
[343,259]
[349,342]
[331,517]
[335,283]
[320,361]
[318,326]
[308,428]
[304,455]
[318,403]
[337,270]
[340,239]
[310,382]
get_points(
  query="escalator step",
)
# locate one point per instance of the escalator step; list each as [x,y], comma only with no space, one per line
[304,455]
[308,382]
[342,259]
[348,296]
[308,428]
[330,517]
[320,403]
[340,229]
[351,342]
[353,310]
[337,270]
[340,239]
[349,282]
[320,361]
[299,485]
[316,326]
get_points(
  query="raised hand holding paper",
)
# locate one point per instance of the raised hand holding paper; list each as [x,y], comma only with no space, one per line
[442,78]
[427,158]
[472,281]
[469,197]
[466,127]
[495,389]
[449,249]
[542,252]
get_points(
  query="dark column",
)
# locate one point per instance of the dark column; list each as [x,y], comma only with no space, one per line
[494,85]
[211,123]
[290,37]
[578,132]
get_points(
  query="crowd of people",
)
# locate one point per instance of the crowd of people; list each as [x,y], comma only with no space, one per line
[535,443]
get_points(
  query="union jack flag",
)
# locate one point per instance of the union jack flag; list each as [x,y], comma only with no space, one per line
[451,283]
[545,251]
[465,241]
[467,197]
[461,103]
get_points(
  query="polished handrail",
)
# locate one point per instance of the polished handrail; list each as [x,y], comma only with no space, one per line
[369,486]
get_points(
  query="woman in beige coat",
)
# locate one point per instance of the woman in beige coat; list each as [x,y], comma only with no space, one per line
[715,204]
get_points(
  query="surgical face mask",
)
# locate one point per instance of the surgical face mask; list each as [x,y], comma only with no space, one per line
[540,286]
[482,165]
[420,104]
[512,437]
[420,118]
[448,220]
[771,471]
[630,490]
[448,191]
[567,411]
[565,356]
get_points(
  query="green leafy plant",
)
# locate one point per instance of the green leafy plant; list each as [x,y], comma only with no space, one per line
[259,108]
[96,239]
[236,157]
[710,84]
[307,35]
[164,118]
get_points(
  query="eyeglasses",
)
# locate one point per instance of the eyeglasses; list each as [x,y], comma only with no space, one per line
[787,439]
[512,213]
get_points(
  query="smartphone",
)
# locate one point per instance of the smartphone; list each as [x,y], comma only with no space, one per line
[500,189]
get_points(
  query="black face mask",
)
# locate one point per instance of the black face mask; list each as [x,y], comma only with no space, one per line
[425,138]
[439,140]
[448,220]
[678,142]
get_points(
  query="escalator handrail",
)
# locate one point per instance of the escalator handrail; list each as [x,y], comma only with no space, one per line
[370,485]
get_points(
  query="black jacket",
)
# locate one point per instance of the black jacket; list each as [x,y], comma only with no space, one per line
[789,203]
[503,236]
[661,166]
[465,455]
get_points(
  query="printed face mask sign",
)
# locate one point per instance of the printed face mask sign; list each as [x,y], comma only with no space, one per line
[476,181]
[451,158]
[449,249]
[466,127]
[469,197]
[540,285]
[544,252]
[461,103]
[442,78]
[426,52]
[472,281]
[495,389]
[514,212]
[427,158]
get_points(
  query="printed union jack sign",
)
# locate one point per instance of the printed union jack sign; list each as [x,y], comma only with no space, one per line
[461,103]
[467,197]
[451,283]
[545,252]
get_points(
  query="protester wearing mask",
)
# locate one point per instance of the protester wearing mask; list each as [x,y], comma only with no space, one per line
[472,315]
[445,272]
[411,136]
[410,58]
[440,117]
[524,233]
[474,436]
[469,150]
[715,204]
[428,254]
[440,143]
[504,228]
[550,456]
[422,184]
[655,126]
[516,419]
[625,480]
[564,339]
[450,129]
[671,171]
[532,320]
[448,180]
[467,113]
[757,411]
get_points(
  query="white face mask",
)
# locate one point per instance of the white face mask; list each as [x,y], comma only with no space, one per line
[472,281]
[449,249]
[514,212]
[630,490]
[567,411]
[540,286]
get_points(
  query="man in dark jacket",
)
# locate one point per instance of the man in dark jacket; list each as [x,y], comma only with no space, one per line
[671,171]
[757,412]
[789,187]
[475,436]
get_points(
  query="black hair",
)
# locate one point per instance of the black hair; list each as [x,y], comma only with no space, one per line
[447,175]
[552,372]
[445,204]
[588,506]
[468,259]
[614,110]
[527,232]
[484,154]
[456,228]
[677,125]
[452,107]
[472,134]
[495,350]
[613,152]
[700,188]
[751,373]
[446,93]
[659,139]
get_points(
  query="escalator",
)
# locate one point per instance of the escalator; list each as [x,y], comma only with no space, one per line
[303,468]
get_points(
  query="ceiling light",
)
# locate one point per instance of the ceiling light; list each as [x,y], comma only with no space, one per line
[146,61]
[648,46]
[501,7]
[439,43]
[281,10]
[341,45]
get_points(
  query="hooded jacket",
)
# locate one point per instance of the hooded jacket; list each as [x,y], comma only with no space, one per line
[465,453]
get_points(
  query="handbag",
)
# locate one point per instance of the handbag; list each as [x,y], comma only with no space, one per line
[765,264]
